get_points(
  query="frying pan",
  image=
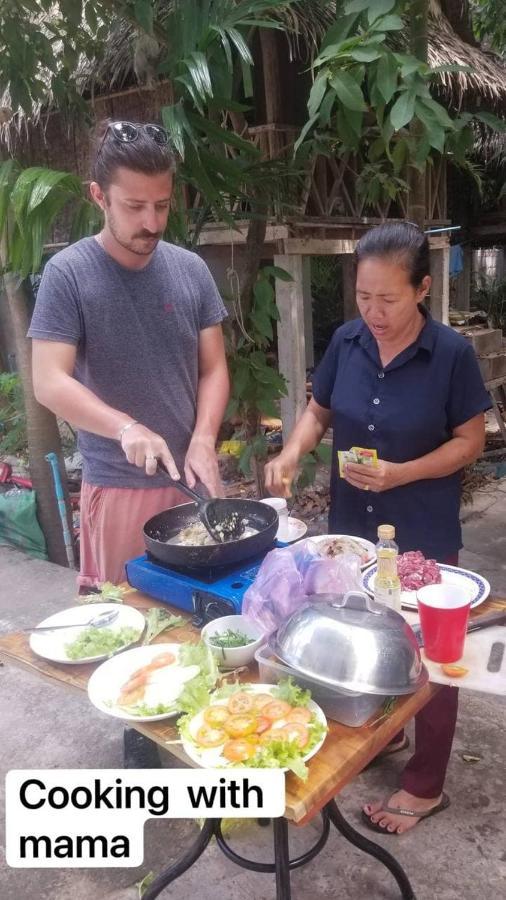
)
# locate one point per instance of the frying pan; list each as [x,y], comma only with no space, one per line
[160,528]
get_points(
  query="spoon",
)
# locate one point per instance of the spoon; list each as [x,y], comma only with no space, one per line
[104,618]
[221,529]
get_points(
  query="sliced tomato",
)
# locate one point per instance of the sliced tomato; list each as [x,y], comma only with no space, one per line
[135,682]
[300,714]
[207,736]
[240,703]
[216,715]
[454,671]
[263,723]
[277,709]
[238,750]
[261,700]
[163,659]
[295,731]
[240,726]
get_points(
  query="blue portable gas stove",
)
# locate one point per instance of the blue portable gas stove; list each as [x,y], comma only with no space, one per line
[209,593]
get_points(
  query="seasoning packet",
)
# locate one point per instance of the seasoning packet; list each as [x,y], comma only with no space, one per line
[356,455]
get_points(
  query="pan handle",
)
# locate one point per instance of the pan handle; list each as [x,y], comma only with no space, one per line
[180,485]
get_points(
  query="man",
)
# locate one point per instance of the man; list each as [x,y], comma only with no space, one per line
[128,347]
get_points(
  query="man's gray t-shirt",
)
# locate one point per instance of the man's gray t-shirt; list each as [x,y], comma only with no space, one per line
[137,338]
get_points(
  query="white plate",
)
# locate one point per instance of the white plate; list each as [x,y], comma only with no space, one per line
[52,644]
[212,758]
[106,682]
[479,586]
[367,545]
[290,530]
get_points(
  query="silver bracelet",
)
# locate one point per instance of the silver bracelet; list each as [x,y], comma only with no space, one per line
[125,428]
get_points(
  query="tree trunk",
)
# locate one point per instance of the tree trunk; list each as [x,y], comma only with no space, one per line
[42,431]
[416,177]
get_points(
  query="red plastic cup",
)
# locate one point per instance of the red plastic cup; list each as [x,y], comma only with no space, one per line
[444,613]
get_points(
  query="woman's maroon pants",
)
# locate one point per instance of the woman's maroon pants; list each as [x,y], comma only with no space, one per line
[425,772]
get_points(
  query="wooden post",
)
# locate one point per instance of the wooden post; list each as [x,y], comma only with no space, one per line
[308,311]
[349,297]
[464,281]
[291,344]
[440,288]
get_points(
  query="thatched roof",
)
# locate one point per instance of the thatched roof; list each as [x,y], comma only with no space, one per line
[130,59]
[484,84]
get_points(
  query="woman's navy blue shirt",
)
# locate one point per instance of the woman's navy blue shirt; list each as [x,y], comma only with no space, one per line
[404,411]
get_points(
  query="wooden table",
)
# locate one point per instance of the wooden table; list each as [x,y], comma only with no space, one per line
[344,754]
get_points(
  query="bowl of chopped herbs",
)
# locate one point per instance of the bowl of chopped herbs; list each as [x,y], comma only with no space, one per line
[232,640]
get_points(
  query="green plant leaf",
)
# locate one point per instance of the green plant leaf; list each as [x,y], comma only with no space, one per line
[317,93]
[378,8]
[403,110]
[277,272]
[348,91]
[492,121]
[390,23]
[365,54]
[439,113]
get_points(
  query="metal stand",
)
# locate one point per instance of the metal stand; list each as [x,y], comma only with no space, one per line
[282,864]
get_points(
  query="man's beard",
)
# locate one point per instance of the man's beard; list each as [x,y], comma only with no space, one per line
[131,244]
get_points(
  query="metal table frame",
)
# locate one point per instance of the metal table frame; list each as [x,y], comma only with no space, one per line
[282,865]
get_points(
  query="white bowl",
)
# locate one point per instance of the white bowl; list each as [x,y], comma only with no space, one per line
[233,657]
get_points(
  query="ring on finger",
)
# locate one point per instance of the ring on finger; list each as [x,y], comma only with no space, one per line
[151,457]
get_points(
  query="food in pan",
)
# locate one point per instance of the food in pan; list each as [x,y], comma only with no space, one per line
[415,571]
[337,546]
[197,535]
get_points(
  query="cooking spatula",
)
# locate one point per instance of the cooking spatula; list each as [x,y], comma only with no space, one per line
[221,528]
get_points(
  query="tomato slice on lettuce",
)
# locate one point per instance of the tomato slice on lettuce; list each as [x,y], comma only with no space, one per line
[207,736]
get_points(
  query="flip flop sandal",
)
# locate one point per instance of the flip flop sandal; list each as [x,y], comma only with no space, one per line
[375,826]
[383,754]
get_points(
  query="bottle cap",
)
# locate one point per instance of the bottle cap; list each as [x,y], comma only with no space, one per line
[386,532]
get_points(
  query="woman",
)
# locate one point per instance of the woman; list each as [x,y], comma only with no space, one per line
[397,381]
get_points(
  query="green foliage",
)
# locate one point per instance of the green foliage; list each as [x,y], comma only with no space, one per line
[12,415]
[30,201]
[256,386]
[489,23]
[377,103]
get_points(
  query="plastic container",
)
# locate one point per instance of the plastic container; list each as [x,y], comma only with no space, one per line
[341,706]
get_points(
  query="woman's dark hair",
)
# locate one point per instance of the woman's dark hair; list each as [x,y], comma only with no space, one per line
[144,154]
[401,242]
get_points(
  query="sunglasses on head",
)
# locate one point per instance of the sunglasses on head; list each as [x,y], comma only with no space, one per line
[127,132]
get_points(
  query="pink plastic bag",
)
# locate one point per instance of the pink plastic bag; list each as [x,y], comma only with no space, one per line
[288,576]
[276,592]
[333,576]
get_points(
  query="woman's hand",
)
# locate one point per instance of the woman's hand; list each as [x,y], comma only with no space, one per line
[279,474]
[143,448]
[383,477]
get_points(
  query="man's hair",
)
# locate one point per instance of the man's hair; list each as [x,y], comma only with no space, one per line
[141,155]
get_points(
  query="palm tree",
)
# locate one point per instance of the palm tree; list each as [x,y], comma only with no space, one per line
[30,200]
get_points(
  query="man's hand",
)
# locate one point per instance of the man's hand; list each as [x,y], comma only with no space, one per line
[143,448]
[201,464]
[383,477]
